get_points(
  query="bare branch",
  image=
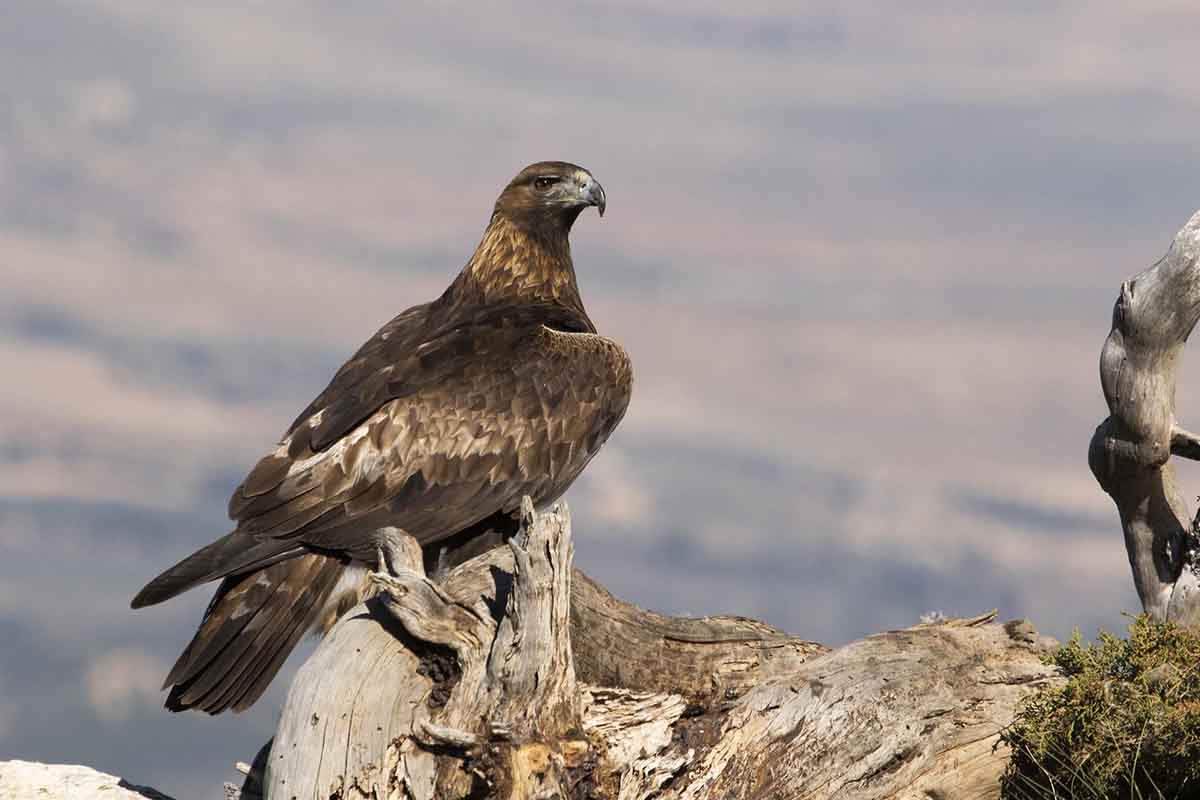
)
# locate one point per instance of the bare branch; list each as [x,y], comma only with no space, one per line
[1130,451]
[1185,444]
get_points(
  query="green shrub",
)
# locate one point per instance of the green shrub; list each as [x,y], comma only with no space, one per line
[1126,724]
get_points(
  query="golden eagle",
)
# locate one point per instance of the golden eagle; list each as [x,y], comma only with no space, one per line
[437,427]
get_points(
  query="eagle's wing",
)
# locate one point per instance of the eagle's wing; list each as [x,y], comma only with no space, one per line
[413,350]
[484,412]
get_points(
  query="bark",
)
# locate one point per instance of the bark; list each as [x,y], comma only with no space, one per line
[517,677]
[1131,449]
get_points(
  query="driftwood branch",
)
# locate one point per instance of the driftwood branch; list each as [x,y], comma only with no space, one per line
[517,677]
[1130,450]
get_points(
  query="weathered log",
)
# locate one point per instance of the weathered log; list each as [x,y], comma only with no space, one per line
[478,687]
[1130,451]
[33,780]
[705,660]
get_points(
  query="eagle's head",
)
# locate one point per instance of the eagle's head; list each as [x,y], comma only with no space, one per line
[549,195]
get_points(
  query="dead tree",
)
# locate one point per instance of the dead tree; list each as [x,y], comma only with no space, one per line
[1130,451]
[517,677]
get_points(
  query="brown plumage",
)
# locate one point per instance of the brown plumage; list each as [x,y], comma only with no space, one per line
[437,426]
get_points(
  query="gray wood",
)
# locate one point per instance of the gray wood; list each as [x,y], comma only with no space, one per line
[704,659]
[1131,449]
[913,713]
[358,693]
[32,780]
[562,691]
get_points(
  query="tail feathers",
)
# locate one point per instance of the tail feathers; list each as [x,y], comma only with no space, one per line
[252,624]
[232,553]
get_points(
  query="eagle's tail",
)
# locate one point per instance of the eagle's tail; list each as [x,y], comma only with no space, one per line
[252,624]
[231,554]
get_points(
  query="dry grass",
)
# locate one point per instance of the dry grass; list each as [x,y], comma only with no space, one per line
[1125,725]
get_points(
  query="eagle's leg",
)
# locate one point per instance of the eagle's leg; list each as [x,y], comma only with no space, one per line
[397,551]
[443,556]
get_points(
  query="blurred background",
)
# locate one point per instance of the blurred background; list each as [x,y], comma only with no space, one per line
[863,257]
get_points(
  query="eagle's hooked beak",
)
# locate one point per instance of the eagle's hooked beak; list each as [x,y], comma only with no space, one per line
[592,193]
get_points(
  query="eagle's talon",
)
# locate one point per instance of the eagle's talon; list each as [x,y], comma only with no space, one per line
[391,554]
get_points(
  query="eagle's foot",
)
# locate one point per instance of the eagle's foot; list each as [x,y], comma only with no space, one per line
[396,552]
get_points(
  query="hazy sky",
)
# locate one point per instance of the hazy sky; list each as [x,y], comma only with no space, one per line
[863,257]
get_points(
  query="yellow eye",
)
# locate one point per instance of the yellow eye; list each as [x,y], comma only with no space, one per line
[545,183]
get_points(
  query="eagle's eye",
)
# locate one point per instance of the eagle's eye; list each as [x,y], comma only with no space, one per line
[545,182]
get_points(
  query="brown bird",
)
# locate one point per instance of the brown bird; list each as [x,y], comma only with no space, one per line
[435,428]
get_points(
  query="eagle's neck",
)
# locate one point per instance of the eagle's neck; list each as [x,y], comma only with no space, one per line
[518,263]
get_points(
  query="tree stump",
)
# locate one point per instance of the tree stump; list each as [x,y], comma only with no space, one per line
[1130,451]
[517,677]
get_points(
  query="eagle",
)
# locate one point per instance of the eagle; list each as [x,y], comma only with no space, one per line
[436,428]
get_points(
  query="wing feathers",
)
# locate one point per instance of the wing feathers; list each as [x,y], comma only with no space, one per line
[266,475]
